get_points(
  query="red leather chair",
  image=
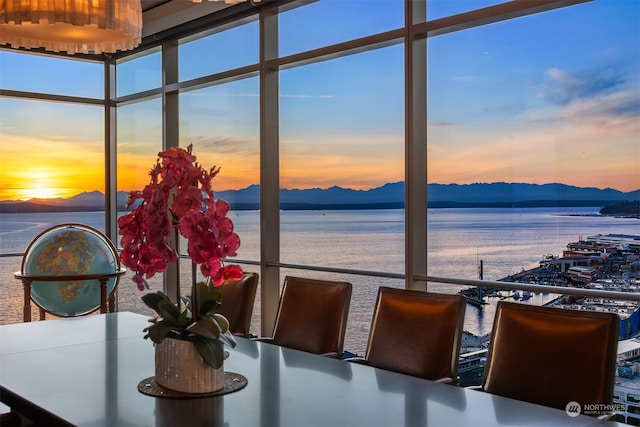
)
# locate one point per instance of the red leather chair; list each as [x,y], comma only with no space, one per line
[312,316]
[552,356]
[238,298]
[416,333]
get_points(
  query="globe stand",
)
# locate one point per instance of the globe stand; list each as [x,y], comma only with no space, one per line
[61,268]
[102,278]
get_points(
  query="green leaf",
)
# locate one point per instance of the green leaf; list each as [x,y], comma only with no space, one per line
[153,299]
[223,322]
[209,300]
[228,339]
[157,332]
[169,312]
[212,351]
[206,327]
[210,307]
[183,320]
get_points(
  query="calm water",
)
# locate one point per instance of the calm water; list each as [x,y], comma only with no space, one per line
[506,240]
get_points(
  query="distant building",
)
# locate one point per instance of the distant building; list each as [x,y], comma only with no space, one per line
[627,387]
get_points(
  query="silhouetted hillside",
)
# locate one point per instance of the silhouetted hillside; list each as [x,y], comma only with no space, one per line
[391,195]
[624,209]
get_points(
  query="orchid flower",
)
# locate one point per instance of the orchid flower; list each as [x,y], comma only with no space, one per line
[178,197]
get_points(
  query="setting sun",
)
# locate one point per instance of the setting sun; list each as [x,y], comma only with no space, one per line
[38,185]
[69,170]
[41,193]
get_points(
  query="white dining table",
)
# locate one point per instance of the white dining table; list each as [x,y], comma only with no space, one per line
[85,371]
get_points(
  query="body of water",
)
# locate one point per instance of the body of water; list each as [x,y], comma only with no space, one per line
[506,240]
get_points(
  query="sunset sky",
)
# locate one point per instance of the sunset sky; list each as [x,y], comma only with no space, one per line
[557,100]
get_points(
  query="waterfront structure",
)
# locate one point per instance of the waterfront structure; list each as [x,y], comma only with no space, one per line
[471,367]
[623,242]
[603,262]
[593,262]
[628,311]
[627,388]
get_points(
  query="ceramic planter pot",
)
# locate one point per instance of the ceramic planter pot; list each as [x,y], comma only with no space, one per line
[180,367]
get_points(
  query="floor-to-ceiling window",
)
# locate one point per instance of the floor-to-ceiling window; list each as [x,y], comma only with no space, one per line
[343,136]
[342,150]
[524,116]
[219,115]
[139,134]
[51,147]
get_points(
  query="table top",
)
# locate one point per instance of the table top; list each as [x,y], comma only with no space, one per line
[86,370]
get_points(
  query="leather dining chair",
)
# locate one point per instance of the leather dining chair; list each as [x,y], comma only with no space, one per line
[552,356]
[238,297]
[312,316]
[416,333]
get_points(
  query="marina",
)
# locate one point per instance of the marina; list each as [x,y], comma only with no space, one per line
[603,262]
[606,262]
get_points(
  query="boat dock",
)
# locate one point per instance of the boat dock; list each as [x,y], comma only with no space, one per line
[602,261]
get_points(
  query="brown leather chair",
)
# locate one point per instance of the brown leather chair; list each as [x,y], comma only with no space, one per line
[416,333]
[238,297]
[552,356]
[312,316]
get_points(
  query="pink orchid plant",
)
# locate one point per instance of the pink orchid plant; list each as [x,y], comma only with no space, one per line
[179,197]
[179,200]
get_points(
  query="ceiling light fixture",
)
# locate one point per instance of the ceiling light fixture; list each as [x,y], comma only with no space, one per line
[226,1]
[253,2]
[72,26]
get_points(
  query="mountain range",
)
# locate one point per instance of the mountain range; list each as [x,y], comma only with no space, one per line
[391,195]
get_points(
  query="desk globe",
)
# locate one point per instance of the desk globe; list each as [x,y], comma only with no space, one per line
[70,250]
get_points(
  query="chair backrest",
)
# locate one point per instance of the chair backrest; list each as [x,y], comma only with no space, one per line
[312,315]
[238,297]
[416,333]
[552,356]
